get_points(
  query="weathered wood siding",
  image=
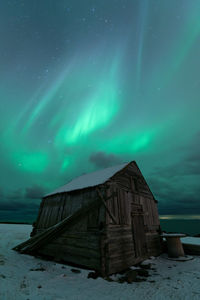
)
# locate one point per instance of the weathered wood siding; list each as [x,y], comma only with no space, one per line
[76,245]
[117,249]
[151,225]
[138,230]
[126,189]
[57,207]
[154,244]
[131,179]
[129,187]
[118,203]
[121,232]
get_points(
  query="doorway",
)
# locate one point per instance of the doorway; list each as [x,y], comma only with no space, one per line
[137,220]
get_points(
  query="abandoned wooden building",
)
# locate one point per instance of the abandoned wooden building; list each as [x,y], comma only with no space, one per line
[106,221]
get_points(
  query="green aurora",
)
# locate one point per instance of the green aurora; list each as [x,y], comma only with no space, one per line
[88,84]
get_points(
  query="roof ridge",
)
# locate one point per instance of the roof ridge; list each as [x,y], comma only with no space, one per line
[89,179]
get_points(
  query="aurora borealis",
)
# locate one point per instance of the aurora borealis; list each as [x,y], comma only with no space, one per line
[88,84]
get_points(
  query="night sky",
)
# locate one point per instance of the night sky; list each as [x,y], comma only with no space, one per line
[87,84]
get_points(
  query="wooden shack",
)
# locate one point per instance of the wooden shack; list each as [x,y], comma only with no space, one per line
[106,221]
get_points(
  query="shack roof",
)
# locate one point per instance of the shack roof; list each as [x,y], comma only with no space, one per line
[89,180]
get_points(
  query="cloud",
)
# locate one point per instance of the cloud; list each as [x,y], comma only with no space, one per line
[15,211]
[21,194]
[104,160]
[1,194]
[18,206]
[34,192]
[14,195]
[176,186]
[21,198]
[189,164]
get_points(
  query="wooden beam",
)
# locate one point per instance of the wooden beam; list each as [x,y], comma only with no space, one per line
[104,202]
[42,238]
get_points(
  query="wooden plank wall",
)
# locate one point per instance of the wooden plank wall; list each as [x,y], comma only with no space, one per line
[131,179]
[118,248]
[154,245]
[57,207]
[134,190]
[151,218]
[76,245]
[114,249]
[152,225]
[119,205]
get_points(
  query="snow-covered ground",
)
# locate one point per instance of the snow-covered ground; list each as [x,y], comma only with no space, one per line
[191,240]
[20,279]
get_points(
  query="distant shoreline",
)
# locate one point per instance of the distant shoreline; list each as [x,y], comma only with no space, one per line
[23,223]
[180,217]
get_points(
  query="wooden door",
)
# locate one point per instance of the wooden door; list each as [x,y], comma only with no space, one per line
[138,230]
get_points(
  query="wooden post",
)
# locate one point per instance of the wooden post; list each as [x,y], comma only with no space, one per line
[106,207]
[174,245]
[175,248]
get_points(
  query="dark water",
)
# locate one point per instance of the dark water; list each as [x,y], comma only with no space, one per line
[188,226]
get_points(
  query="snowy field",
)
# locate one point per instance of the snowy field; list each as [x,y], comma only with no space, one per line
[23,277]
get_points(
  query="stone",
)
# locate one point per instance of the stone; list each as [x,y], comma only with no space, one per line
[2,262]
[108,279]
[75,271]
[124,271]
[143,272]
[38,269]
[146,266]
[140,279]
[131,276]
[93,275]
[122,279]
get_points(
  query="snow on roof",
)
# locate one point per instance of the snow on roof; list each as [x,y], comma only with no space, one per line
[88,180]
